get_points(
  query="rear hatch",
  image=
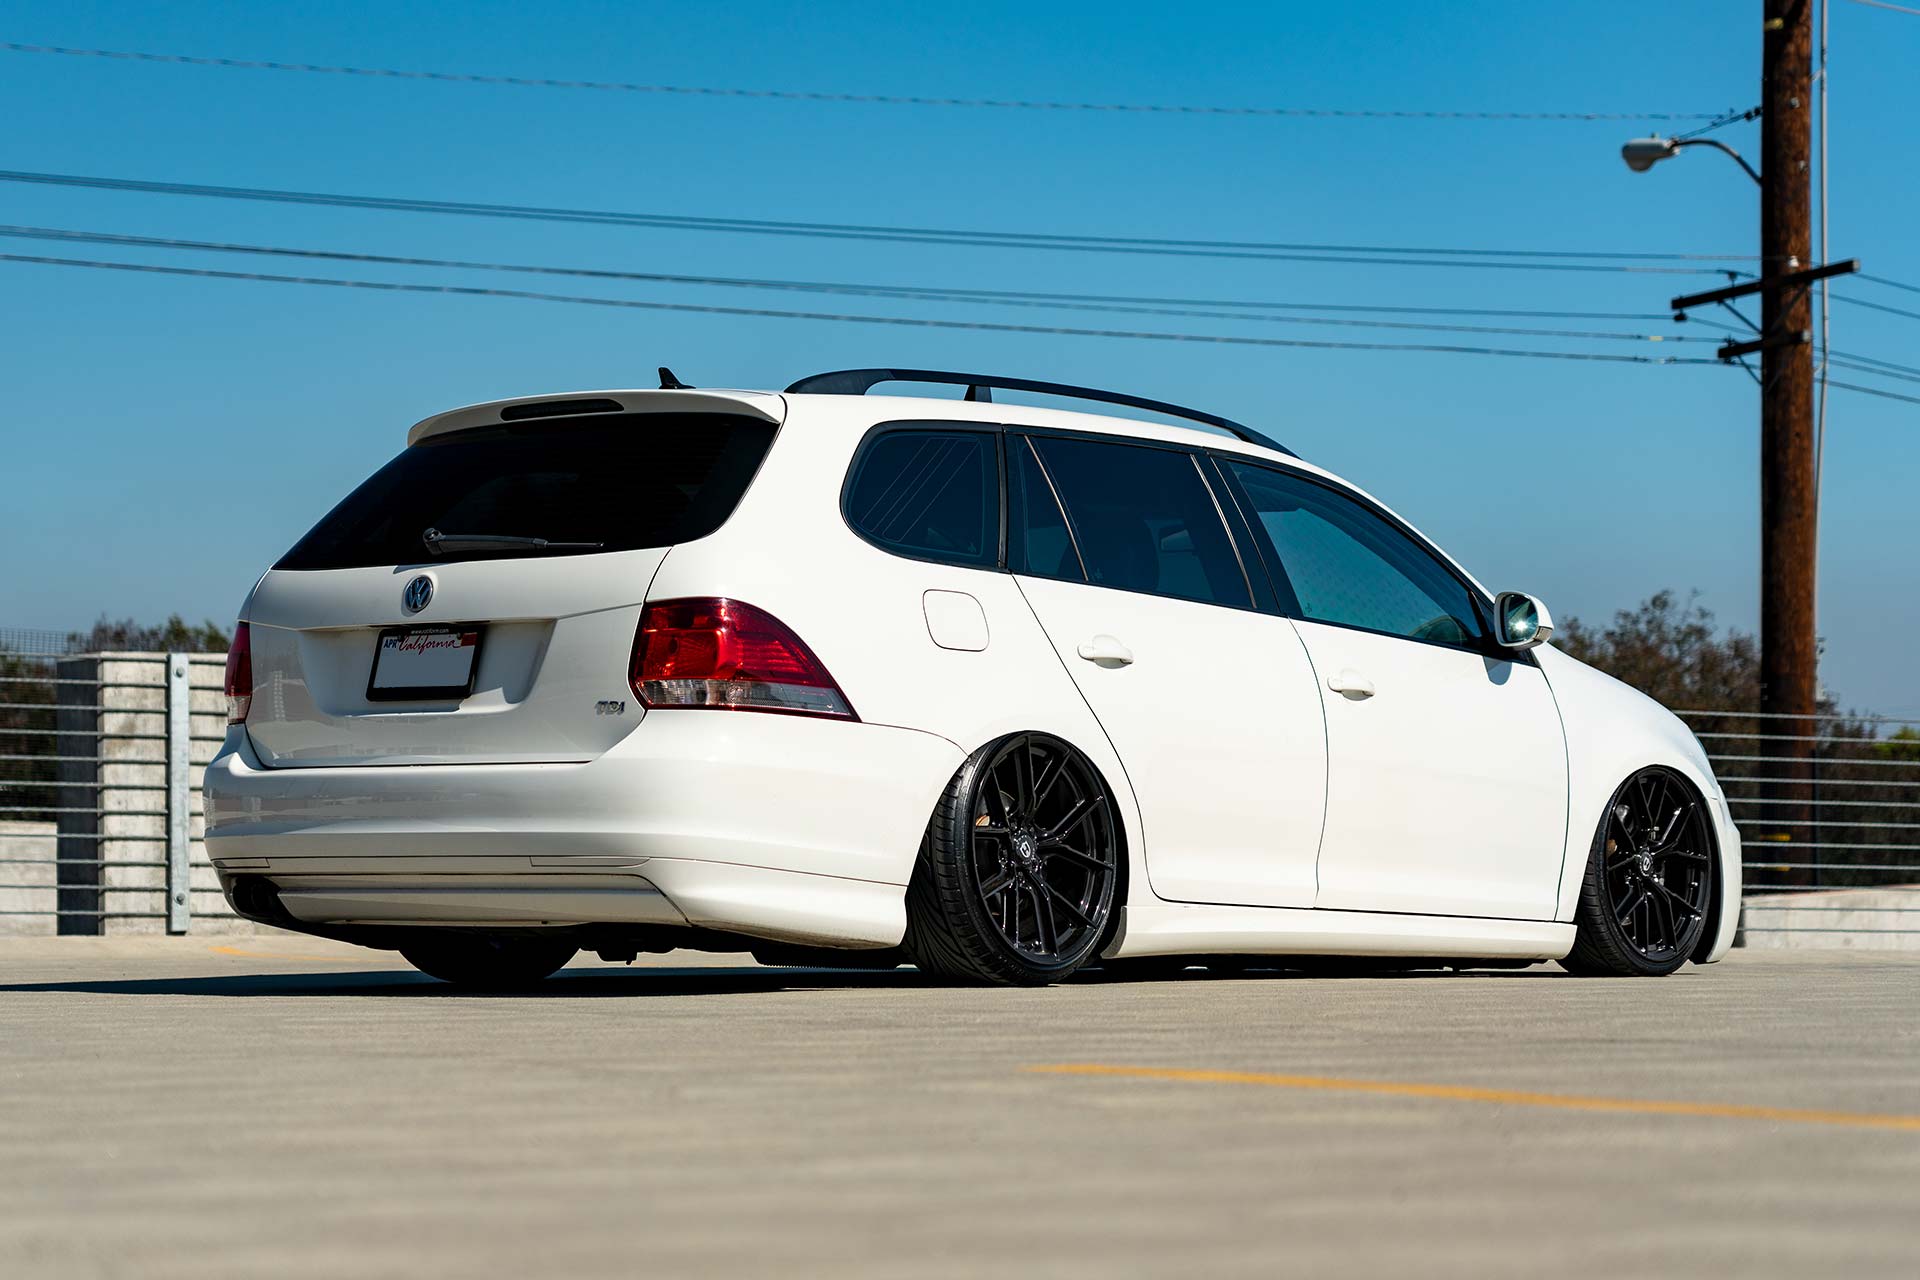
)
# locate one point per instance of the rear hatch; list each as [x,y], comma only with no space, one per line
[370,648]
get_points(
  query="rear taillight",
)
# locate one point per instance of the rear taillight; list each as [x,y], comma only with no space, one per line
[239,675]
[729,656]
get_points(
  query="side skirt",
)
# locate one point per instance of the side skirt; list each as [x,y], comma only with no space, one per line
[1168,929]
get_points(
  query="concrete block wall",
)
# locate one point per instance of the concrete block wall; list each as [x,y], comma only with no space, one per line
[26,863]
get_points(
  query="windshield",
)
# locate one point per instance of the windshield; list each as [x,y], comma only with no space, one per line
[607,483]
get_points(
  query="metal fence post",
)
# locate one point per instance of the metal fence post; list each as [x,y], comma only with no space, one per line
[76,749]
[179,789]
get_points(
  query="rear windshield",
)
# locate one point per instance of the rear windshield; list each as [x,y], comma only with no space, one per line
[621,481]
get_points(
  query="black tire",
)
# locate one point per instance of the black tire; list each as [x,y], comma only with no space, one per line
[489,962]
[1020,868]
[1648,890]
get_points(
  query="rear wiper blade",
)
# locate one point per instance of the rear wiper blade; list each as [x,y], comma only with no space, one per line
[440,543]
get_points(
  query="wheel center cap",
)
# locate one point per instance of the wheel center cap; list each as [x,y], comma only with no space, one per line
[1025,847]
[1646,863]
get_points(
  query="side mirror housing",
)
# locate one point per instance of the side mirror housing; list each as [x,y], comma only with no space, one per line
[1520,621]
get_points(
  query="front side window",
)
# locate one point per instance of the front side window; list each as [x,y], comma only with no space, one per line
[932,495]
[1144,520]
[1349,566]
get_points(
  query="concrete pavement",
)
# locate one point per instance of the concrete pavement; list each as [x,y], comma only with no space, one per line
[284,1106]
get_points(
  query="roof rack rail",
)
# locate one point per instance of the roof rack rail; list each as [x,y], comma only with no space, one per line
[857,382]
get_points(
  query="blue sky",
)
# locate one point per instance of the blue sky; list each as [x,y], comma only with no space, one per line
[167,437]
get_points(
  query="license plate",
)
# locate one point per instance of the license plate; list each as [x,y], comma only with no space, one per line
[424,664]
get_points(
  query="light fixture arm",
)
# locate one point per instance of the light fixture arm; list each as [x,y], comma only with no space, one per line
[1717,145]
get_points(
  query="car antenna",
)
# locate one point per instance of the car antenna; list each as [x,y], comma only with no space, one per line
[670,383]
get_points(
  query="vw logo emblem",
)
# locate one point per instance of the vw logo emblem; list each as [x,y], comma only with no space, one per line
[418,595]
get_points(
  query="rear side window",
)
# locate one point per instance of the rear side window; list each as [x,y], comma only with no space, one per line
[1144,520]
[621,482]
[932,495]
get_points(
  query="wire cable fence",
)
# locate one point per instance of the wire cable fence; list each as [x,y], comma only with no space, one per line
[101,821]
[1828,808]
[100,818]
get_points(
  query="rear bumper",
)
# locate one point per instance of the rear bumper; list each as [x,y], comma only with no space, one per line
[771,826]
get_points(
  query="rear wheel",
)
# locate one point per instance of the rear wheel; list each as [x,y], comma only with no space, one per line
[489,962]
[1649,882]
[1020,867]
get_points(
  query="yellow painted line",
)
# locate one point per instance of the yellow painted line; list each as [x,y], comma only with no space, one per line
[268,955]
[1503,1097]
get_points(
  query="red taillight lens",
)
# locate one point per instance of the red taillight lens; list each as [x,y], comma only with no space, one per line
[239,675]
[731,656]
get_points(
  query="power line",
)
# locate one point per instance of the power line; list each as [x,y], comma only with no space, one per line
[792,95]
[1876,306]
[1876,368]
[1243,250]
[1897,8]
[1016,298]
[1886,364]
[1891,284]
[1871,391]
[912,322]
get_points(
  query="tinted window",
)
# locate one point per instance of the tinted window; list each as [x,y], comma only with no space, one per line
[1144,520]
[1037,539]
[622,481]
[1348,565]
[931,494]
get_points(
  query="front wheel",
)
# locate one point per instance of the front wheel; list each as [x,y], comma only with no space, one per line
[1649,882]
[1021,867]
[489,962]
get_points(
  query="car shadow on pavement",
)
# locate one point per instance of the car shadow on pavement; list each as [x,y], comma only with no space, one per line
[405,983]
[643,981]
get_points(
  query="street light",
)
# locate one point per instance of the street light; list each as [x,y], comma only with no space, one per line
[1641,154]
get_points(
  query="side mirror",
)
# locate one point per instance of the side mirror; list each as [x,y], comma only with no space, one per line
[1522,621]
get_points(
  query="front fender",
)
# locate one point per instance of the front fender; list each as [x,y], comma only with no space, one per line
[1612,730]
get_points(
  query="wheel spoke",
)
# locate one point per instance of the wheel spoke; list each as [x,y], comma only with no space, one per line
[1627,908]
[1081,810]
[1675,900]
[1043,916]
[1652,788]
[995,798]
[1691,855]
[1676,825]
[1023,777]
[1089,860]
[1661,918]
[1049,775]
[997,881]
[1072,907]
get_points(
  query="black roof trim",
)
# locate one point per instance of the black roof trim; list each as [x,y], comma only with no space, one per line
[857,382]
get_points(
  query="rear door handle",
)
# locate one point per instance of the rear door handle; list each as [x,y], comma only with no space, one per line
[1351,684]
[1105,650]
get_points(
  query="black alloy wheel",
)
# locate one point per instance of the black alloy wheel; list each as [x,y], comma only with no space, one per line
[1649,884]
[1021,867]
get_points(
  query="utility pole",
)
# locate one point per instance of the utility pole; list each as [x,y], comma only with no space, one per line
[1789,496]
[1789,680]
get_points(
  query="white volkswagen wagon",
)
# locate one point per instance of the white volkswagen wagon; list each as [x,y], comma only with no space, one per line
[993,690]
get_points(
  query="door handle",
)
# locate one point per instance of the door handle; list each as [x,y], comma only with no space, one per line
[1351,684]
[1106,651]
